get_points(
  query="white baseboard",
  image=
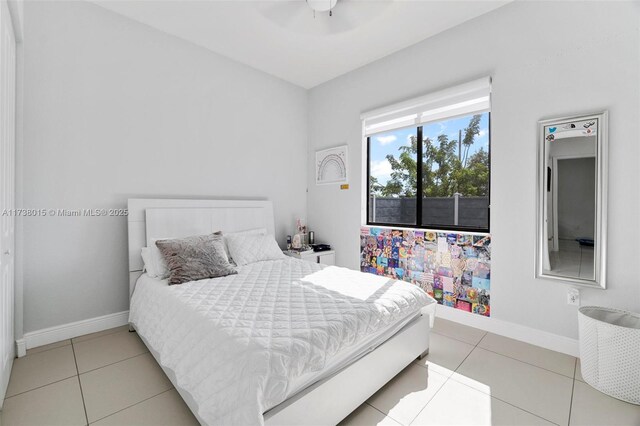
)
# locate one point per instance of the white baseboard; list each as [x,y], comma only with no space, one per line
[21,347]
[544,339]
[58,333]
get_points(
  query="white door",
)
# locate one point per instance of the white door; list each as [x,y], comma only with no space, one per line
[7,192]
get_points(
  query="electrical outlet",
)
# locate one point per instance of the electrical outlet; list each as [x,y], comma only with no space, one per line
[573,297]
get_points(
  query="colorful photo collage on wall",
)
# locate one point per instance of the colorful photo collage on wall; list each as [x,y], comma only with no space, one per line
[453,268]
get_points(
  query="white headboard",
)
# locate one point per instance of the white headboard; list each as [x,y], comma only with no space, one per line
[175,218]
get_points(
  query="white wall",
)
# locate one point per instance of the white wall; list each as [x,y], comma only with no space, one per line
[547,59]
[114,109]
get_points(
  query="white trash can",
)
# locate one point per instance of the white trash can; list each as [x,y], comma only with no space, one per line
[610,351]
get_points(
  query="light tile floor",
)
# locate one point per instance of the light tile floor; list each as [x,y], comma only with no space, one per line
[106,378]
[469,378]
[572,260]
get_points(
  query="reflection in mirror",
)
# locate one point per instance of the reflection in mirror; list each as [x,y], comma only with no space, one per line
[569,223]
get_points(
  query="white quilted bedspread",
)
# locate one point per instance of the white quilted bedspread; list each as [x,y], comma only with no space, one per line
[235,343]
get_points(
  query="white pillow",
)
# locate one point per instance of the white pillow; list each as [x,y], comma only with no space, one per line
[150,263]
[257,231]
[154,261]
[250,248]
[146,259]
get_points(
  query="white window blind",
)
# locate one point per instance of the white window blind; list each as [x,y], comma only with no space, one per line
[465,99]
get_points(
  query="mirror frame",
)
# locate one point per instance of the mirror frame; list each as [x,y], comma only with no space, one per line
[600,249]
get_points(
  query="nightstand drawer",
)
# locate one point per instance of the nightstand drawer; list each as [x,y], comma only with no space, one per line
[327,258]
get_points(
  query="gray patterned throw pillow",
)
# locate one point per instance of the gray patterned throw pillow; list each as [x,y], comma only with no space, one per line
[195,258]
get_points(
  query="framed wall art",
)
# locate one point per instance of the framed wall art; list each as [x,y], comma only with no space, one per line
[331,165]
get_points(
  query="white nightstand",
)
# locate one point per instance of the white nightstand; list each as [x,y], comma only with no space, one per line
[327,257]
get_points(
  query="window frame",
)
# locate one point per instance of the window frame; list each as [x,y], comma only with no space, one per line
[419,190]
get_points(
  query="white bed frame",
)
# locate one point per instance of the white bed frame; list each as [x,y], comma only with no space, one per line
[326,402]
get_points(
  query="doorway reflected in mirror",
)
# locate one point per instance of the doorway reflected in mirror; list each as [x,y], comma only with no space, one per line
[573,216]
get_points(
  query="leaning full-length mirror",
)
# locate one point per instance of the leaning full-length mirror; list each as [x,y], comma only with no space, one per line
[572,199]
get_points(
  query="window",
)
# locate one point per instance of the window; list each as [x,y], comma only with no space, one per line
[435,173]
[393,178]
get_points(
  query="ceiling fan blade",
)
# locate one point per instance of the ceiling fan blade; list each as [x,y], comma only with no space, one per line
[298,16]
[348,14]
[283,13]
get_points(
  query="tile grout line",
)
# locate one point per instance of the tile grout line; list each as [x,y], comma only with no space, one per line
[430,399]
[517,359]
[426,367]
[573,388]
[70,342]
[113,331]
[447,377]
[133,405]
[383,413]
[77,375]
[113,363]
[470,352]
[46,350]
[39,387]
[506,402]
[528,363]
[492,396]
[507,356]
[84,406]
[76,364]
[458,339]
[108,365]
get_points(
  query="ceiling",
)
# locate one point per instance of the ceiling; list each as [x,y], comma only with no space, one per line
[283,38]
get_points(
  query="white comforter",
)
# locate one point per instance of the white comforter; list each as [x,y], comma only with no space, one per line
[236,343]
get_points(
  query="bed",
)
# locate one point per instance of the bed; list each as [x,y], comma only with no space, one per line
[281,342]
